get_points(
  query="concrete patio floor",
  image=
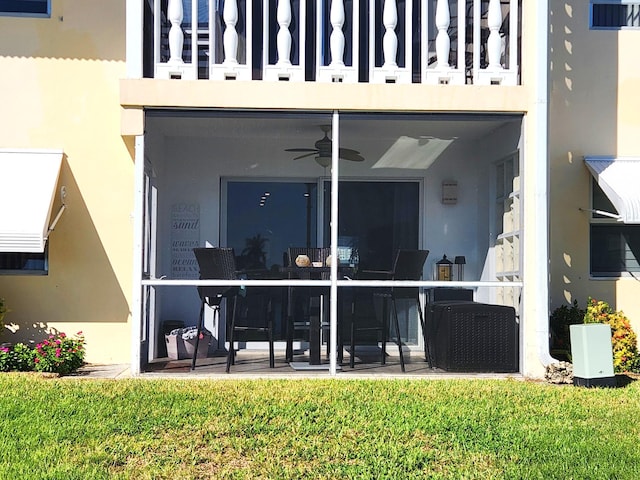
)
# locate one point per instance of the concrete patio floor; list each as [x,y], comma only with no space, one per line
[255,364]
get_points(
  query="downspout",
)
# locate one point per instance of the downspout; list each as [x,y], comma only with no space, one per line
[540,296]
[136,300]
[134,47]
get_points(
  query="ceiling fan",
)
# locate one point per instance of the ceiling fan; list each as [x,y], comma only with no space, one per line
[323,151]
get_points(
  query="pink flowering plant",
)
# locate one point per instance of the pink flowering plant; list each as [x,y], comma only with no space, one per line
[60,353]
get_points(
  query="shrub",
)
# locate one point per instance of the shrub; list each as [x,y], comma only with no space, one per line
[5,359]
[623,338]
[559,322]
[18,358]
[60,354]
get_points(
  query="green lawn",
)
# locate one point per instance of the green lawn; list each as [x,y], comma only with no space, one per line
[93,429]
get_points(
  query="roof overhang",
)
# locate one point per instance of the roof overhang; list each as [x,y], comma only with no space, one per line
[618,178]
[29,181]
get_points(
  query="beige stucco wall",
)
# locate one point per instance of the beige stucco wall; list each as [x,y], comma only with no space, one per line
[60,89]
[594,109]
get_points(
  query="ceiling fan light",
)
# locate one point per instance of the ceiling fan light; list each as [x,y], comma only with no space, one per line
[323,161]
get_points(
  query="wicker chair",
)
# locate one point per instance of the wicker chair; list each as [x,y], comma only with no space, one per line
[408,265]
[251,308]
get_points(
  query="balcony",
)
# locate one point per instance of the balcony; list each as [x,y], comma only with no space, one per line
[431,42]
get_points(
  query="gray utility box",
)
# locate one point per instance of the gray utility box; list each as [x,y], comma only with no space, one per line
[592,355]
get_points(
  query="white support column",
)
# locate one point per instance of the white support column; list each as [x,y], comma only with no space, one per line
[494,45]
[443,42]
[442,72]
[175,68]
[390,72]
[284,69]
[495,73]
[283,16]
[138,239]
[176,37]
[232,66]
[333,312]
[536,294]
[338,70]
[390,39]
[230,37]
[337,36]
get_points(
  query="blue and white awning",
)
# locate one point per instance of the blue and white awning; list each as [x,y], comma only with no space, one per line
[29,181]
[619,179]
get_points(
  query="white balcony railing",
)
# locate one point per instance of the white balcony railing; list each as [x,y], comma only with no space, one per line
[375,41]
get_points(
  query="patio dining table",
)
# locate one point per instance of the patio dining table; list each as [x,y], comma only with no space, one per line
[315,340]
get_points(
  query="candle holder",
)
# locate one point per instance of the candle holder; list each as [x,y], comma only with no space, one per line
[460,261]
[444,269]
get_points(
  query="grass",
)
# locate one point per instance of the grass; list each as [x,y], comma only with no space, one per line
[144,429]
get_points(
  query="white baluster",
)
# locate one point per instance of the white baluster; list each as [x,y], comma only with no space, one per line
[494,43]
[176,37]
[390,39]
[284,36]
[337,42]
[443,42]
[230,38]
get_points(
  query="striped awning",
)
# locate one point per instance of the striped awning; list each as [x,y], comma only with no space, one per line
[27,192]
[618,178]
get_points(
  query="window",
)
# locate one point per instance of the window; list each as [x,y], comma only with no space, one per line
[264,218]
[28,8]
[19,263]
[614,246]
[615,14]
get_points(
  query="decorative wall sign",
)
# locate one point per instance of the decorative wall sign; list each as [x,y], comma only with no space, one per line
[185,236]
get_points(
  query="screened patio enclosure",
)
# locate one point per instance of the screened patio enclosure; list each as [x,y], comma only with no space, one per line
[262,182]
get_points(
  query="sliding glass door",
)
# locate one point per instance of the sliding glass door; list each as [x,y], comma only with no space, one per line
[264,218]
[376,218]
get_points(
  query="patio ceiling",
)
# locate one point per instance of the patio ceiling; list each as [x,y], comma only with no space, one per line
[371,135]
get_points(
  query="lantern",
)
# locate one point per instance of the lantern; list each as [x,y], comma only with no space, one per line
[460,261]
[444,269]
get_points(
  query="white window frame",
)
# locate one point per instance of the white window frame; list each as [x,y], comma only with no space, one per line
[28,271]
[6,13]
[596,218]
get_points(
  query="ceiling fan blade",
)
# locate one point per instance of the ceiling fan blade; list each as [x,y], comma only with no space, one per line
[305,155]
[352,155]
[301,150]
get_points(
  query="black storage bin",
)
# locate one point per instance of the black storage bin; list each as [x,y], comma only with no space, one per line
[473,337]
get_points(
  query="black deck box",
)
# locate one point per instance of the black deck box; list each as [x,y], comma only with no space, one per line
[467,336]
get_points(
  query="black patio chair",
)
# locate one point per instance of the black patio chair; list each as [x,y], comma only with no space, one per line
[250,310]
[408,265]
